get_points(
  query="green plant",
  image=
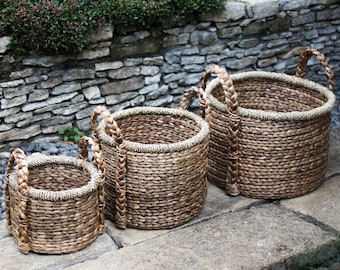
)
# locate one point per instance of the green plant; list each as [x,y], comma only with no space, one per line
[71,134]
[54,27]
[65,26]
[322,256]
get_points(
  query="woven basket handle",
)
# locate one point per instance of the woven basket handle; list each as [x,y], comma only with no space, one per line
[302,65]
[204,101]
[120,181]
[233,125]
[83,150]
[18,156]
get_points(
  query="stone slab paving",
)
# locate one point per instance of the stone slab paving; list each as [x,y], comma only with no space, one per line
[248,239]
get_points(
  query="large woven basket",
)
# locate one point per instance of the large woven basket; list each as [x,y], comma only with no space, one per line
[55,204]
[269,131]
[156,161]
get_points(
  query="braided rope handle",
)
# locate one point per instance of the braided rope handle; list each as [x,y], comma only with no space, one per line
[98,161]
[18,156]
[233,125]
[302,65]
[120,181]
[188,97]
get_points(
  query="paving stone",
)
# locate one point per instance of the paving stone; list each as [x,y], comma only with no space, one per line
[249,239]
[322,204]
[13,259]
[334,154]
[217,202]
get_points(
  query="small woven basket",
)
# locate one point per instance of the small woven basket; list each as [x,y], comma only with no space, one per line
[156,175]
[55,204]
[269,131]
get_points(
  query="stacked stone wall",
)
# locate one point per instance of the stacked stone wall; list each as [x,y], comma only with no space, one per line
[41,94]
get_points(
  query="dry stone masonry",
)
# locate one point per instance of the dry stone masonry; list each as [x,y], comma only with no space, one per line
[41,94]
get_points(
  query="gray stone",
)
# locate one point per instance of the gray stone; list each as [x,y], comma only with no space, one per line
[22,74]
[130,62]
[329,14]
[4,42]
[322,204]
[94,82]
[239,64]
[264,232]
[55,121]
[213,59]
[173,40]
[203,37]
[303,19]
[153,79]
[158,92]
[174,77]
[49,108]
[87,112]
[153,61]
[267,62]
[6,127]
[97,101]
[78,98]
[70,109]
[214,49]
[191,79]
[122,86]
[142,34]
[46,61]
[229,32]
[232,11]
[15,83]
[172,58]
[38,95]
[124,73]
[20,134]
[115,99]
[17,117]
[276,43]
[91,92]
[50,83]
[149,70]
[108,65]
[196,68]
[249,43]
[84,124]
[171,68]
[78,74]
[33,119]
[148,89]
[10,111]
[137,101]
[66,88]
[50,101]
[13,102]
[18,91]
[190,51]
[188,60]
[160,102]
[128,39]
[264,9]
[94,54]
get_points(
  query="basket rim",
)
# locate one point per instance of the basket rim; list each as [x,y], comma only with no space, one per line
[270,115]
[36,160]
[157,147]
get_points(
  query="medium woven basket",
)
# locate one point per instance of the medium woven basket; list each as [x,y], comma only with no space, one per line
[156,161]
[269,131]
[55,204]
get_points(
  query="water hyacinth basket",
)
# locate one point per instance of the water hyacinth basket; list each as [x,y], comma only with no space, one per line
[269,131]
[156,161]
[55,204]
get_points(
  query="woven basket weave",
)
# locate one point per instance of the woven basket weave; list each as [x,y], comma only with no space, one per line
[269,131]
[55,204]
[156,161]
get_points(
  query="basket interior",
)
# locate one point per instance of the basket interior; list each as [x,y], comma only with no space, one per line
[273,95]
[57,177]
[157,129]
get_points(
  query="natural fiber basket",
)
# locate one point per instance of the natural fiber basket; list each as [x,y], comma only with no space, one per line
[269,131]
[156,161]
[55,204]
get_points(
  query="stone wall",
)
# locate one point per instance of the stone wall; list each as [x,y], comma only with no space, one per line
[41,94]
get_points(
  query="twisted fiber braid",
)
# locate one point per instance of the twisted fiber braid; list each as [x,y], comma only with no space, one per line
[22,177]
[120,181]
[189,95]
[99,163]
[302,65]
[233,125]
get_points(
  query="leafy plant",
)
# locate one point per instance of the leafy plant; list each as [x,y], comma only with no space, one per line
[71,134]
[65,26]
